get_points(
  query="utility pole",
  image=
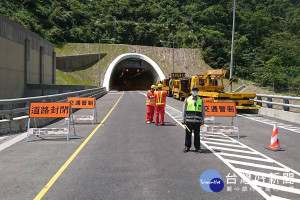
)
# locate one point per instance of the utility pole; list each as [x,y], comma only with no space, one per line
[232,48]
[173,43]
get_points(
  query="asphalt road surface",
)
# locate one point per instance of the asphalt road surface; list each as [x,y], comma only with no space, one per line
[128,159]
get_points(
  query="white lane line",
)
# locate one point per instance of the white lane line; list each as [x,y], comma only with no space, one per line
[273,197]
[257,165]
[206,135]
[234,150]
[270,122]
[222,144]
[246,157]
[278,187]
[272,176]
[219,140]
[13,141]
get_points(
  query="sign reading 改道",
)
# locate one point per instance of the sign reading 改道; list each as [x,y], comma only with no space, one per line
[49,110]
[226,109]
[82,102]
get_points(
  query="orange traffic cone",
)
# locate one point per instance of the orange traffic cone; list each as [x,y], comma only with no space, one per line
[274,143]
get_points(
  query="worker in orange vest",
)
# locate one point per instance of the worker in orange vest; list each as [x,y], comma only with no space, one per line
[160,103]
[150,104]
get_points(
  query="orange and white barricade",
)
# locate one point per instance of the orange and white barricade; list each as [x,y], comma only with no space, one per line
[49,110]
[210,119]
[83,103]
[220,109]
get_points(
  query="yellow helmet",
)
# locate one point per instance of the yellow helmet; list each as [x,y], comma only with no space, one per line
[160,85]
[153,87]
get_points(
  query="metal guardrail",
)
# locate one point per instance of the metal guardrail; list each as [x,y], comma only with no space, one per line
[11,107]
[269,101]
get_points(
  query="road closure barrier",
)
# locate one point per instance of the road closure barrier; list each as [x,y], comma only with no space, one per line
[49,110]
[208,118]
[83,103]
[220,109]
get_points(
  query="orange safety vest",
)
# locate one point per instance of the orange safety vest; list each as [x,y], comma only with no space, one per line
[150,99]
[160,97]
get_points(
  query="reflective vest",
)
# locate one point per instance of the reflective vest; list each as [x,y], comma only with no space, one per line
[150,99]
[193,112]
[160,97]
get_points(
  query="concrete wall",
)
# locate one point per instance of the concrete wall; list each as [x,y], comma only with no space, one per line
[69,63]
[23,56]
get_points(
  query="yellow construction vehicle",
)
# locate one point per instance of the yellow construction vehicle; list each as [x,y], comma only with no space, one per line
[166,86]
[180,85]
[211,85]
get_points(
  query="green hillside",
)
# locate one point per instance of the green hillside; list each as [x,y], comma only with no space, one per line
[186,60]
[266,42]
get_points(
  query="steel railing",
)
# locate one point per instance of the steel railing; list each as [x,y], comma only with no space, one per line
[10,108]
[286,105]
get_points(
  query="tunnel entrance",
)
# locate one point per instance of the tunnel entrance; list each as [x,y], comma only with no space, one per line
[132,72]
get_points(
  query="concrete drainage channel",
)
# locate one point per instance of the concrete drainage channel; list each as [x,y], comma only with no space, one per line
[15,112]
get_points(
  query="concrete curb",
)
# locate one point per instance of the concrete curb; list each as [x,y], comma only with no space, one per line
[280,114]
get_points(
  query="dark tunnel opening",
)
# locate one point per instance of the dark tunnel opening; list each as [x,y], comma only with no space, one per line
[133,74]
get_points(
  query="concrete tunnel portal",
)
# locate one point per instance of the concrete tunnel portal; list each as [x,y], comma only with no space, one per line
[132,71]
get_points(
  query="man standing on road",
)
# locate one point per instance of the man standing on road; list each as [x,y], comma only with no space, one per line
[160,103]
[150,104]
[193,117]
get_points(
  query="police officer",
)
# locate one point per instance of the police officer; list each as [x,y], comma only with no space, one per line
[193,117]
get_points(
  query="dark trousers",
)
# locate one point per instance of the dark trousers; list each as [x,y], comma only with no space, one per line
[188,135]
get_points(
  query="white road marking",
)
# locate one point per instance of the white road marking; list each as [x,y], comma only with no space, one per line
[246,157]
[12,141]
[256,185]
[222,144]
[219,140]
[270,122]
[258,165]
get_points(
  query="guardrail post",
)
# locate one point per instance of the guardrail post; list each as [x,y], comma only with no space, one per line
[269,105]
[286,108]
[259,103]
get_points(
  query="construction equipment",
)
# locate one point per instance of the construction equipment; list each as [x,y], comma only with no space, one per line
[180,85]
[211,85]
[166,87]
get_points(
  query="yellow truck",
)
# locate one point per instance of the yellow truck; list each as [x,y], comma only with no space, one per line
[180,85]
[211,85]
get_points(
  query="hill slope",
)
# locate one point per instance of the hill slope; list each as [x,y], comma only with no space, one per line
[185,60]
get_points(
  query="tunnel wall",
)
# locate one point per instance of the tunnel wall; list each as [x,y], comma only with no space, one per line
[109,71]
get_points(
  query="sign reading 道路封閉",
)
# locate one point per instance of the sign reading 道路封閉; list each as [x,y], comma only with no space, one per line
[225,109]
[49,110]
[82,102]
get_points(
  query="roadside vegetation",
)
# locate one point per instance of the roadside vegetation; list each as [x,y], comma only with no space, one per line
[267,35]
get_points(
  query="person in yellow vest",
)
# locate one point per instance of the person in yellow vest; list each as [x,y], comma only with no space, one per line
[150,104]
[193,114]
[160,103]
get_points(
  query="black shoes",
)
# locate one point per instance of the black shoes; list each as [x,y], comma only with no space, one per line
[198,151]
[185,150]
[162,124]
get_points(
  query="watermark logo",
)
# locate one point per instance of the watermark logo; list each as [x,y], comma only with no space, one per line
[211,181]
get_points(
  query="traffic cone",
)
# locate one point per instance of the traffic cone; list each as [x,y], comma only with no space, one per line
[274,143]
